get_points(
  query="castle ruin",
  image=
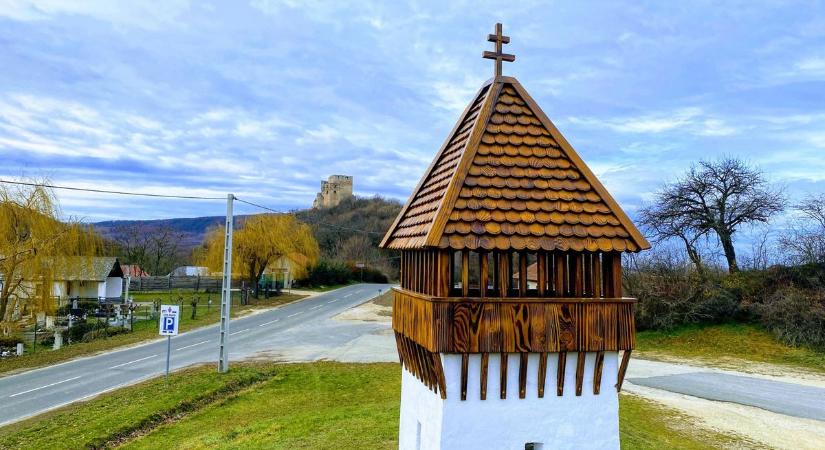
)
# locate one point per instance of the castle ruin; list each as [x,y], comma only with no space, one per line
[333,191]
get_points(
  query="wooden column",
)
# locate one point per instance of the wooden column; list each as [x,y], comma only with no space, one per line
[597,275]
[443,277]
[559,265]
[465,273]
[503,274]
[483,275]
[522,274]
[578,276]
[541,269]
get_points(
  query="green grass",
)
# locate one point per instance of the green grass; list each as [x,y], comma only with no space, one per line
[143,330]
[319,405]
[727,345]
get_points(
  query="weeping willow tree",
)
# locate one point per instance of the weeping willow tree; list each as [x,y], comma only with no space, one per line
[260,242]
[34,246]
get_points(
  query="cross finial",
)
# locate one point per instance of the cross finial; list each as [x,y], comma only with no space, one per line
[497,55]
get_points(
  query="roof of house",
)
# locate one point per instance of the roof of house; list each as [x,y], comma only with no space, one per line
[507,179]
[86,268]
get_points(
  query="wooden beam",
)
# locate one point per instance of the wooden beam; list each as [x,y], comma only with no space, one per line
[597,275]
[522,376]
[578,276]
[580,372]
[616,276]
[560,373]
[522,274]
[541,269]
[597,373]
[503,274]
[484,274]
[503,377]
[465,272]
[465,360]
[485,361]
[443,273]
[622,370]
[559,264]
[542,375]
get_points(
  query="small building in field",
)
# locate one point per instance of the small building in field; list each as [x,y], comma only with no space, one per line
[133,271]
[87,277]
[190,271]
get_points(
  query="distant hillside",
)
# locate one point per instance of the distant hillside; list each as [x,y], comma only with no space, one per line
[348,232]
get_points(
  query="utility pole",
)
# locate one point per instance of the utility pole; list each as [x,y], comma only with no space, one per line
[226,291]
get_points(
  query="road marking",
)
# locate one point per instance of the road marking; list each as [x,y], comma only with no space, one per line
[333,301]
[132,362]
[267,323]
[293,315]
[238,332]
[44,387]
[316,307]
[193,345]
[348,295]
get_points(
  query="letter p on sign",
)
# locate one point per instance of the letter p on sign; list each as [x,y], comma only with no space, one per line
[169,319]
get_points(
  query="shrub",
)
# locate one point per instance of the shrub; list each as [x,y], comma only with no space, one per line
[795,316]
[79,329]
[10,341]
[103,332]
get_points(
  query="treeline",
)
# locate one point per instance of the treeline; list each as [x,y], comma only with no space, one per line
[780,284]
[348,234]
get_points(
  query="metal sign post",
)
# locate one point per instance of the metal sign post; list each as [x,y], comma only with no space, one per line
[226,292]
[169,321]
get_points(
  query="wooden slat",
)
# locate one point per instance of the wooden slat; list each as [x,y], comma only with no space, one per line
[522,375]
[541,270]
[503,274]
[580,372]
[622,370]
[560,373]
[484,274]
[485,361]
[597,275]
[542,374]
[522,274]
[597,373]
[443,282]
[559,263]
[616,275]
[578,275]
[465,272]
[465,360]
[503,377]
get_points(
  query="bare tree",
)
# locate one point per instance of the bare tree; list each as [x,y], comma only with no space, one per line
[663,224]
[806,234]
[720,196]
[154,248]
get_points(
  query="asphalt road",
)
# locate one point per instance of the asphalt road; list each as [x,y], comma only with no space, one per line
[783,398]
[257,335]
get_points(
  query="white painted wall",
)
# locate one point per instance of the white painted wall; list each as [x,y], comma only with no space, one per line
[113,287]
[567,422]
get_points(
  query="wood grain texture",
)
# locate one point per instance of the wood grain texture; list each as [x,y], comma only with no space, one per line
[580,360]
[622,370]
[465,361]
[542,374]
[503,376]
[522,375]
[560,373]
[597,373]
[485,362]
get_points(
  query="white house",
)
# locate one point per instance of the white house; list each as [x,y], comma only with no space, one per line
[190,271]
[88,277]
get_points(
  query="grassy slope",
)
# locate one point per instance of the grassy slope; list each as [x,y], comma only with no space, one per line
[726,345]
[320,405]
[144,330]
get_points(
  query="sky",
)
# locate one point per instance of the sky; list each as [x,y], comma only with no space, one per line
[266,98]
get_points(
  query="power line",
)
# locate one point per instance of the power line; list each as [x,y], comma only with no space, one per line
[104,191]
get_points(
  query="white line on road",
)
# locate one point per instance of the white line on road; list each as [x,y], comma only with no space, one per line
[293,315]
[348,295]
[316,307]
[238,332]
[333,301]
[132,362]
[193,345]
[43,387]
[267,323]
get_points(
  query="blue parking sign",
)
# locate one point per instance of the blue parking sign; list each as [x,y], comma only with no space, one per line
[169,319]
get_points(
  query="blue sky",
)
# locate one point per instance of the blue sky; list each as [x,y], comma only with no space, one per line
[265,99]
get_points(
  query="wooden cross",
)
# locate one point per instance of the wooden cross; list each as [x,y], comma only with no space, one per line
[497,55]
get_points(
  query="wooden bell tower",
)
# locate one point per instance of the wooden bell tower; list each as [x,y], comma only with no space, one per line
[510,317]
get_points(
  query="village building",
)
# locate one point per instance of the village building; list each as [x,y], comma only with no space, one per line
[190,271]
[490,359]
[87,278]
[336,189]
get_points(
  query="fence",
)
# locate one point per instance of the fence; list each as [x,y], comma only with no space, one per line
[194,283]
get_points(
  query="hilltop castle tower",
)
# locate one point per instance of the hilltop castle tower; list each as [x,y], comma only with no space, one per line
[481,347]
[333,191]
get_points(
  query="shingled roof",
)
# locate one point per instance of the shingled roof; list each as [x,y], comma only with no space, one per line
[507,179]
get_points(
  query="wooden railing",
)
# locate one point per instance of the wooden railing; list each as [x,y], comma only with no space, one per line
[491,325]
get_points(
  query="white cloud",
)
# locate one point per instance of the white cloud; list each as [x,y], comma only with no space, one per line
[137,13]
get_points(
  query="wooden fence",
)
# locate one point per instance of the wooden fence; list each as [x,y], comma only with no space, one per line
[194,283]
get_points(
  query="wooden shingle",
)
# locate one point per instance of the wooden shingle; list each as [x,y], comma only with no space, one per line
[506,179]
